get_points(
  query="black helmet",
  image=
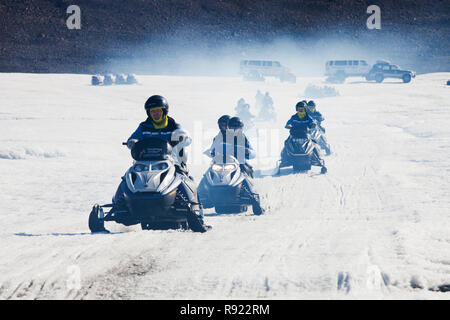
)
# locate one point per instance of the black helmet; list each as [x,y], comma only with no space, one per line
[301,104]
[223,120]
[235,123]
[157,101]
[311,104]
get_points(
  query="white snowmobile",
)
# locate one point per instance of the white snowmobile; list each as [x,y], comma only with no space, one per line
[152,193]
[227,187]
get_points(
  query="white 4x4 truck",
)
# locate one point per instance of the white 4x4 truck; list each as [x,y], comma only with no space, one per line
[338,70]
[256,70]
[383,69]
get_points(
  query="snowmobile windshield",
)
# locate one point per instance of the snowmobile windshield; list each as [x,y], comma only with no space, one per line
[151,149]
[298,132]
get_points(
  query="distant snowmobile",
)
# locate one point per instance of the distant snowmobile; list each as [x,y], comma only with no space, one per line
[152,193]
[108,80]
[96,80]
[244,113]
[131,79]
[121,78]
[227,187]
[267,115]
[267,111]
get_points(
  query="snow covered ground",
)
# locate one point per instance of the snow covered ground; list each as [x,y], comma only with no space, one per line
[377,225]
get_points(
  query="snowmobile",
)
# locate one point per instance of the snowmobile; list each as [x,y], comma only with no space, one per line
[121,78]
[152,193]
[108,80]
[301,154]
[227,187]
[131,79]
[96,80]
[246,116]
[318,136]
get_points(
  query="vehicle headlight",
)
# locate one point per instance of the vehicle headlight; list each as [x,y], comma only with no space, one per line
[160,166]
[140,167]
[217,167]
[229,167]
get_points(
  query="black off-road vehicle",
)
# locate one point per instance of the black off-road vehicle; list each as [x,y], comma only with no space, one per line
[383,69]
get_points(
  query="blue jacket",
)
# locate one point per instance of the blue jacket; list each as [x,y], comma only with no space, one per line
[146,129]
[227,143]
[172,133]
[298,128]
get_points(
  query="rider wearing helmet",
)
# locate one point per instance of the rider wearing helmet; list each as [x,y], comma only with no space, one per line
[235,123]
[235,126]
[267,111]
[314,114]
[300,122]
[243,111]
[233,142]
[298,126]
[240,105]
[240,142]
[159,125]
[222,123]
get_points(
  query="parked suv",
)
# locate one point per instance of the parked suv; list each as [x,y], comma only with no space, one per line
[256,70]
[383,69]
[339,70]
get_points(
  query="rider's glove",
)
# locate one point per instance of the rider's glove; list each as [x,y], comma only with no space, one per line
[131,143]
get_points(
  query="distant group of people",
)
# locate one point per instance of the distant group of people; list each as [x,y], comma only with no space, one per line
[264,107]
